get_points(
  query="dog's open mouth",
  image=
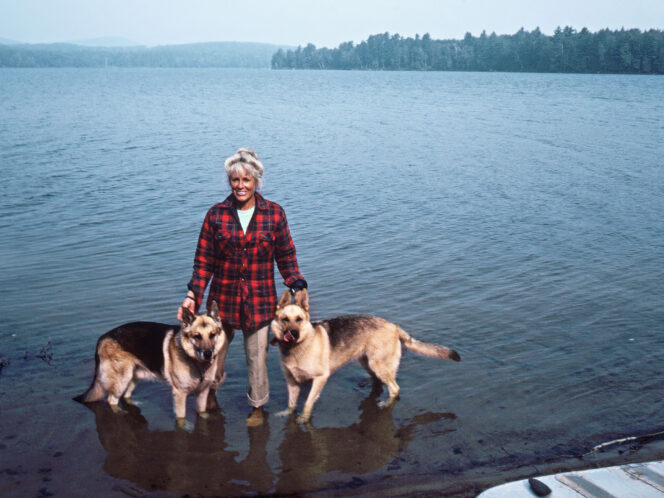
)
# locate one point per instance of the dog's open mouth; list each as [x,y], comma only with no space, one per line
[289,337]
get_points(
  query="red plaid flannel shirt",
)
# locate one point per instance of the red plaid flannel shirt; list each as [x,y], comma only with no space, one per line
[242,266]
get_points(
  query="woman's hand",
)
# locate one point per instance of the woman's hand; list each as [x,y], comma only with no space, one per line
[188,303]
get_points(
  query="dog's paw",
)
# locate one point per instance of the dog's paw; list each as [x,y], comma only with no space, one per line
[285,413]
[303,420]
[388,403]
[204,415]
[117,409]
[184,424]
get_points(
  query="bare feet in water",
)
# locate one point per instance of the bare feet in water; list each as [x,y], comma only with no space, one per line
[256,418]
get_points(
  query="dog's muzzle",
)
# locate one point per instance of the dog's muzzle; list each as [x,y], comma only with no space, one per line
[205,354]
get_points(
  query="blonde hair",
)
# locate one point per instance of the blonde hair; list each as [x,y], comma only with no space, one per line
[245,159]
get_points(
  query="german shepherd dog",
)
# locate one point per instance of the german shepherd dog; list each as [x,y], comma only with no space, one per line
[315,350]
[190,358]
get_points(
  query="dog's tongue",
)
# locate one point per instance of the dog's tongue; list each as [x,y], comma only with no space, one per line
[288,336]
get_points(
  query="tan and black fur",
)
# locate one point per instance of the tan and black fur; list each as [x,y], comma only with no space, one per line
[189,357]
[315,350]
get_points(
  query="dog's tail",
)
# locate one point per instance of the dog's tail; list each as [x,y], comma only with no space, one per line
[96,390]
[425,348]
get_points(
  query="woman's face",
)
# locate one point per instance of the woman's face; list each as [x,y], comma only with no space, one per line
[243,185]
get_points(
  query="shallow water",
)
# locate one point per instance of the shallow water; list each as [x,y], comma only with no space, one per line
[514,217]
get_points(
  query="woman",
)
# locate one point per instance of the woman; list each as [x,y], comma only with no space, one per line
[240,240]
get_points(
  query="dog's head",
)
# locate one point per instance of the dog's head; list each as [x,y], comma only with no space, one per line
[202,336]
[291,323]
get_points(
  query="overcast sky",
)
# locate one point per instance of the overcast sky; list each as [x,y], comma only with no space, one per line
[298,22]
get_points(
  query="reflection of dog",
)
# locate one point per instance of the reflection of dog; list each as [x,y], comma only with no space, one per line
[367,445]
[190,358]
[313,351]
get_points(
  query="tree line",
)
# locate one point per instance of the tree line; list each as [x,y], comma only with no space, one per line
[214,54]
[566,51]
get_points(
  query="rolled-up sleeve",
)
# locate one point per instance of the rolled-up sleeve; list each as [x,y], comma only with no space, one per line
[285,252]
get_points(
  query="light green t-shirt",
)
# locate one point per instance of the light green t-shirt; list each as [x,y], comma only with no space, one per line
[245,217]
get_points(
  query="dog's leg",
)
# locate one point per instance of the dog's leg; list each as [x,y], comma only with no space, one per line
[376,384]
[392,388]
[293,393]
[211,403]
[130,390]
[220,376]
[179,404]
[113,400]
[202,401]
[114,395]
[212,393]
[386,371]
[388,377]
[117,388]
[316,387]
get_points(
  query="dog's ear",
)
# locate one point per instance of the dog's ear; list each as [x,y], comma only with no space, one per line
[285,299]
[187,317]
[213,312]
[302,299]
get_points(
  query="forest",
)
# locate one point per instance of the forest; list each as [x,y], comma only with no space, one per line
[213,54]
[566,51]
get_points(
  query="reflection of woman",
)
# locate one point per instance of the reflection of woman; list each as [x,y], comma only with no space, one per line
[240,239]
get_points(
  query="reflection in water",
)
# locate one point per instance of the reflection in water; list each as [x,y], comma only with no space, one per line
[199,462]
[367,445]
[195,463]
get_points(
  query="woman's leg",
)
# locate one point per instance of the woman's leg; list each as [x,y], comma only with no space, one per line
[255,350]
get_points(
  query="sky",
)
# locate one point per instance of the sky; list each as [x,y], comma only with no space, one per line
[325,23]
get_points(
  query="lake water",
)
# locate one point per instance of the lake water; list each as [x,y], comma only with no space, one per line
[518,218]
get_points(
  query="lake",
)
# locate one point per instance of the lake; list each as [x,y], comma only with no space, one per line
[517,218]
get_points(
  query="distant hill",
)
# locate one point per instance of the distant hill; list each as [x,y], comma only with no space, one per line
[6,41]
[213,54]
[107,41]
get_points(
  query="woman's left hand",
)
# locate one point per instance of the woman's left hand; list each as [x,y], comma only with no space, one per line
[188,303]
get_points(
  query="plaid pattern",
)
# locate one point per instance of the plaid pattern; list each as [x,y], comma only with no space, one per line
[241,266]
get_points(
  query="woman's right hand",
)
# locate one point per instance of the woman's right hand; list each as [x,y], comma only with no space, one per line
[188,303]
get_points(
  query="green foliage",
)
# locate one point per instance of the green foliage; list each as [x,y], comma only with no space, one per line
[567,51]
[219,54]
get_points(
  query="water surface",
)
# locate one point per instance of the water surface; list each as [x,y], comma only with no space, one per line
[514,217]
